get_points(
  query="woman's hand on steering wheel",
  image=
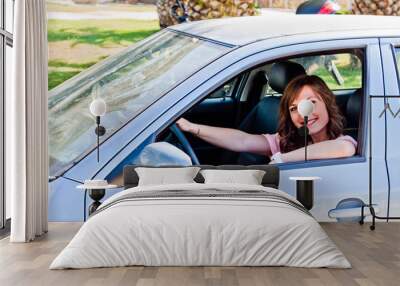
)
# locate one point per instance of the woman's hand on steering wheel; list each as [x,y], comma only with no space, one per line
[185,125]
[177,131]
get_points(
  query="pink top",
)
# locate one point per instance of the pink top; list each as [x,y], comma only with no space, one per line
[273,140]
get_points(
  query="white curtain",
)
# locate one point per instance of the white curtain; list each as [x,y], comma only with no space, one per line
[26,123]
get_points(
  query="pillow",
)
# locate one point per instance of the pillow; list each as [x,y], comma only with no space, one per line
[248,177]
[163,176]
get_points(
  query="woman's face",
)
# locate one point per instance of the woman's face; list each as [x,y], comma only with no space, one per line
[318,119]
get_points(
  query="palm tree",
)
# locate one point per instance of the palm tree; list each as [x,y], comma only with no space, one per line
[203,9]
[377,7]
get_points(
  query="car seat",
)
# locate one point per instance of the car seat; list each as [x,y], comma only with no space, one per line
[258,82]
[353,114]
[264,117]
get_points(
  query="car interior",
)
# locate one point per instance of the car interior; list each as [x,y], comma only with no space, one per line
[250,102]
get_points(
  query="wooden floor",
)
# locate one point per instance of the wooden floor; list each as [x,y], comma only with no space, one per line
[375,257]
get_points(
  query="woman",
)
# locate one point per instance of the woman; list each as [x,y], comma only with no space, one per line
[325,125]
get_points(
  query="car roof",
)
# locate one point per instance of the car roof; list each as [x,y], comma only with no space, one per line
[244,30]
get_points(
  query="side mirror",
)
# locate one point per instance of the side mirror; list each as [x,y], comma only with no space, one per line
[52,178]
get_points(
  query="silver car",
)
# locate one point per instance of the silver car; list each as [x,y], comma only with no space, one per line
[218,72]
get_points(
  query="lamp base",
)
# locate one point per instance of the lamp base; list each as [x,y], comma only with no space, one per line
[96,195]
[100,130]
[305,193]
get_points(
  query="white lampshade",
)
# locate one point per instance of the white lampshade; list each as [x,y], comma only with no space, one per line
[98,107]
[305,107]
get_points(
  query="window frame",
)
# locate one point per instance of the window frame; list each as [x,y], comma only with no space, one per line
[360,152]
[360,155]
[6,39]
[396,55]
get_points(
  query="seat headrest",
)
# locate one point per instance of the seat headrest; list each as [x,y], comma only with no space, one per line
[261,77]
[282,73]
[353,109]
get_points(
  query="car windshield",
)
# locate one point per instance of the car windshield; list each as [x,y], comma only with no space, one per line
[128,82]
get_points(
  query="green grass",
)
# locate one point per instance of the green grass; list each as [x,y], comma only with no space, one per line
[100,32]
[61,64]
[94,36]
[109,24]
[55,77]
[352,77]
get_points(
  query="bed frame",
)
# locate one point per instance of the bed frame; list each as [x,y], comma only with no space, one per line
[270,179]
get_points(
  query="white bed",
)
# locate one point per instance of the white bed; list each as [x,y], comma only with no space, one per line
[250,225]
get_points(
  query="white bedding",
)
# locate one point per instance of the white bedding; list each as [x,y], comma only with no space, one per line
[183,231]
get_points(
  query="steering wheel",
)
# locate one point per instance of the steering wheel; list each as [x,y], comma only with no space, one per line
[185,143]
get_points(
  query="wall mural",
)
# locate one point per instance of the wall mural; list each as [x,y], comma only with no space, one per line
[93,53]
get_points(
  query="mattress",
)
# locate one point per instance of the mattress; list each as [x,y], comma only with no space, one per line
[201,225]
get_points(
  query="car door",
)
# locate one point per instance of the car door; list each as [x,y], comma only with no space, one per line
[341,178]
[348,178]
[390,116]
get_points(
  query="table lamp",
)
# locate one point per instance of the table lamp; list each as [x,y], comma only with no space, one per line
[98,108]
[305,108]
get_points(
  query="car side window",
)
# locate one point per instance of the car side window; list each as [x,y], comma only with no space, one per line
[339,71]
[225,90]
[342,72]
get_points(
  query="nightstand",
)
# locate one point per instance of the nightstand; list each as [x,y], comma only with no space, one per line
[96,193]
[305,190]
